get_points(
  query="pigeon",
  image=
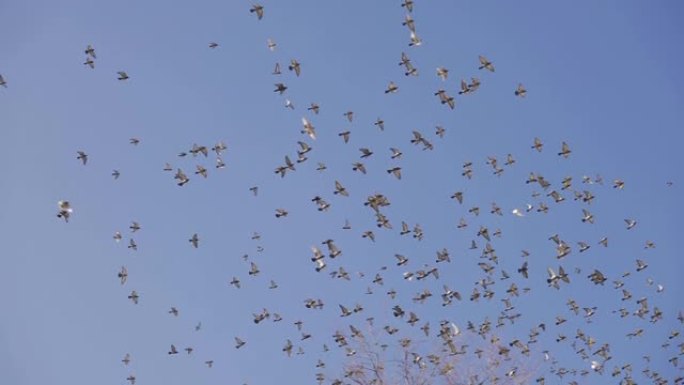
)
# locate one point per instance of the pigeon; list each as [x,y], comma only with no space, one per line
[239,343]
[486,64]
[123,275]
[134,297]
[294,66]
[82,156]
[90,51]
[258,10]
[520,91]
[65,210]
[194,240]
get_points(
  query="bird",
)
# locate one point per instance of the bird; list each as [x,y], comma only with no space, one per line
[258,9]
[444,98]
[358,166]
[520,91]
[82,156]
[345,136]
[339,189]
[294,66]
[194,240]
[391,88]
[134,297]
[408,66]
[253,269]
[538,145]
[288,348]
[365,153]
[127,359]
[173,350]
[173,311]
[314,107]
[123,275]
[181,177]
[116,174]
[396,171]
[89,62]
[408,4]
[3,82]
[415,40]
[200,170]
[122,75]
[135,226]
[409,23]
[239,343]
[565,150]
[90,51]
[442,73]
[270,44]
[65,210]
[281,213]
[280,88]
[213,45]
[308,128]
[486,64]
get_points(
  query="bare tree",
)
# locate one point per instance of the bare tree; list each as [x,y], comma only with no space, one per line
[450,358]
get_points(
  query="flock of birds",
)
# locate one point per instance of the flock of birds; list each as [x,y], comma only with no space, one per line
[506,356]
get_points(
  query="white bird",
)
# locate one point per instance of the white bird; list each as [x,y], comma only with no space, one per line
[308,128]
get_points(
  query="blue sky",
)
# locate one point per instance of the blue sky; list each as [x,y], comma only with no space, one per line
[603,76]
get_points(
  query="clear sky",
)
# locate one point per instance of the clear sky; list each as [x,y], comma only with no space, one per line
[605,77]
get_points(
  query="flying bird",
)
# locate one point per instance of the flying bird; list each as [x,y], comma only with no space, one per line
[65,210]
[486,64]
[194,240]
[294,66]
[90,51]
[258,9]
[520,91]
[123,275]
[82,156]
